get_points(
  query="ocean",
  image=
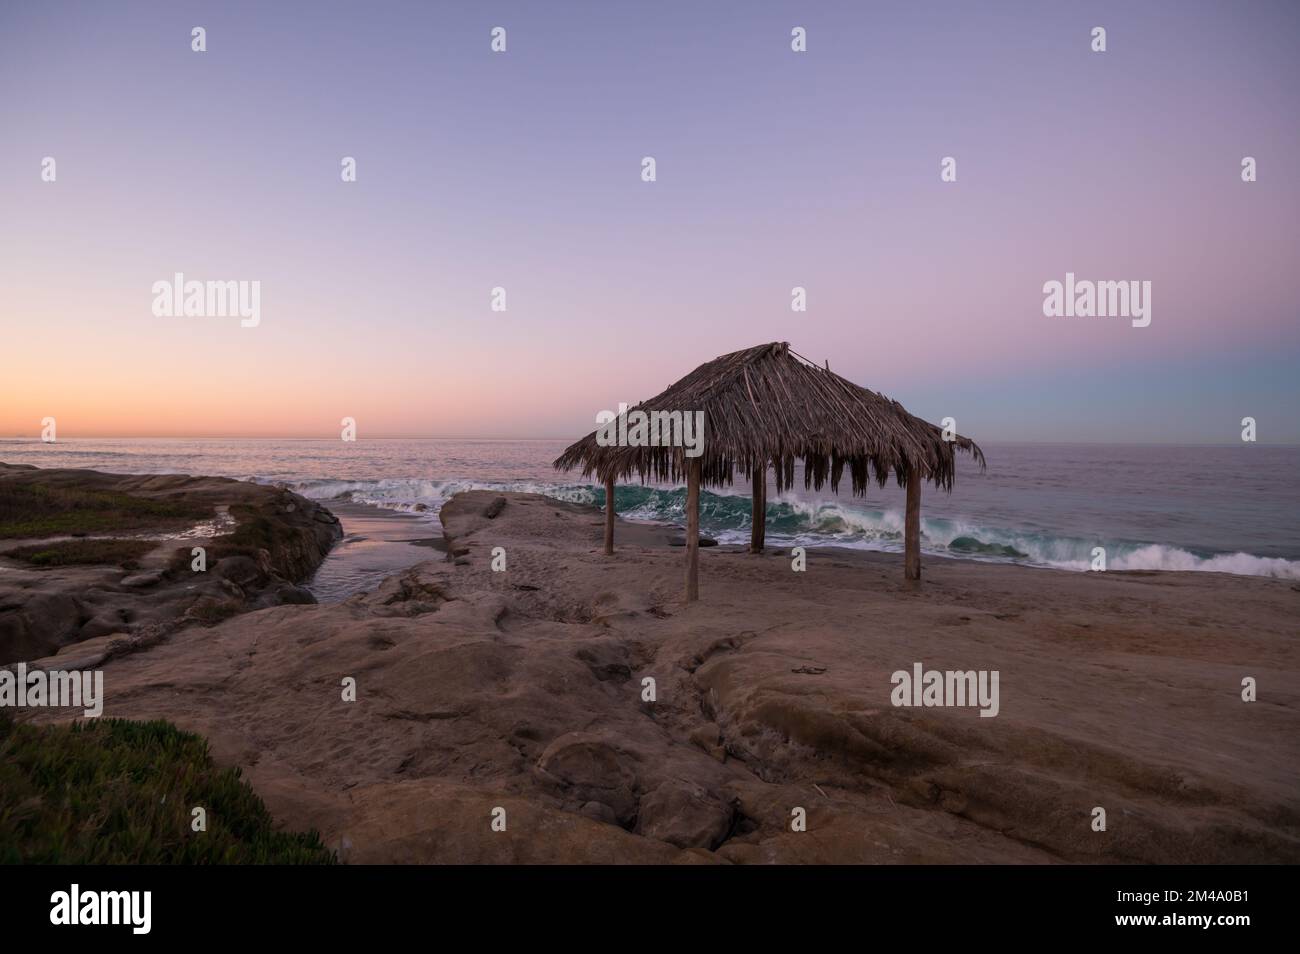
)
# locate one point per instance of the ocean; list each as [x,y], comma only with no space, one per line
[1229,509]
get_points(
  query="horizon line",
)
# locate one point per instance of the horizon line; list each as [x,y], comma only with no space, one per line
[238,437]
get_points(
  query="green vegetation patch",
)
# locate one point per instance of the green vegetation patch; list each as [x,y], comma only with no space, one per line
[253,531]
[112,791]
[81,552]
[37,510]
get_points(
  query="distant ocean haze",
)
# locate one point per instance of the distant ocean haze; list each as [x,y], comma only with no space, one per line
[1226,508]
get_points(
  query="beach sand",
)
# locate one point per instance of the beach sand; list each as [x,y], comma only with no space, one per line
[524,690]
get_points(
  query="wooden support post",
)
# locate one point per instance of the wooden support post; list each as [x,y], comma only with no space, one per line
[912,529]
[758,517]
[693,530]
[609,516]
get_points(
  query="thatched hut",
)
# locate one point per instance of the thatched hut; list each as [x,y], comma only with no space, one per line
[765,406]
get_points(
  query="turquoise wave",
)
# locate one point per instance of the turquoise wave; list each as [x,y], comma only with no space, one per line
[727,518]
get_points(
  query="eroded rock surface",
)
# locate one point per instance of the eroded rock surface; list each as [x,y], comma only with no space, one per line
[261,542]
[612,723]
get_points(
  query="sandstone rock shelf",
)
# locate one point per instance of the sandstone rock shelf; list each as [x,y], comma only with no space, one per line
[525,689]
[260,542]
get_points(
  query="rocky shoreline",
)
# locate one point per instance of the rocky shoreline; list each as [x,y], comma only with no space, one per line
[59,609]
[528,679]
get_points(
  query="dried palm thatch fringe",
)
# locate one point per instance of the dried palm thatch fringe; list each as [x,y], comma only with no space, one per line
[767,404]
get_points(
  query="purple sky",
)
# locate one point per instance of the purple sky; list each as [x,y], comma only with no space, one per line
[522,169]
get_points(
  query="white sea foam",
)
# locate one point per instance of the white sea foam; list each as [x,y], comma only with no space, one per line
[426,496]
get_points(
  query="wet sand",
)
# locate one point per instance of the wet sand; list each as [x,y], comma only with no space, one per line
[376,544]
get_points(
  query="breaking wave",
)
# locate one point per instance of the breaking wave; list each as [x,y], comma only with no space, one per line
[726,518]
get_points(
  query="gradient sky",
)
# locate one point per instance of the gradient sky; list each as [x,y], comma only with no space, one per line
[775,169]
